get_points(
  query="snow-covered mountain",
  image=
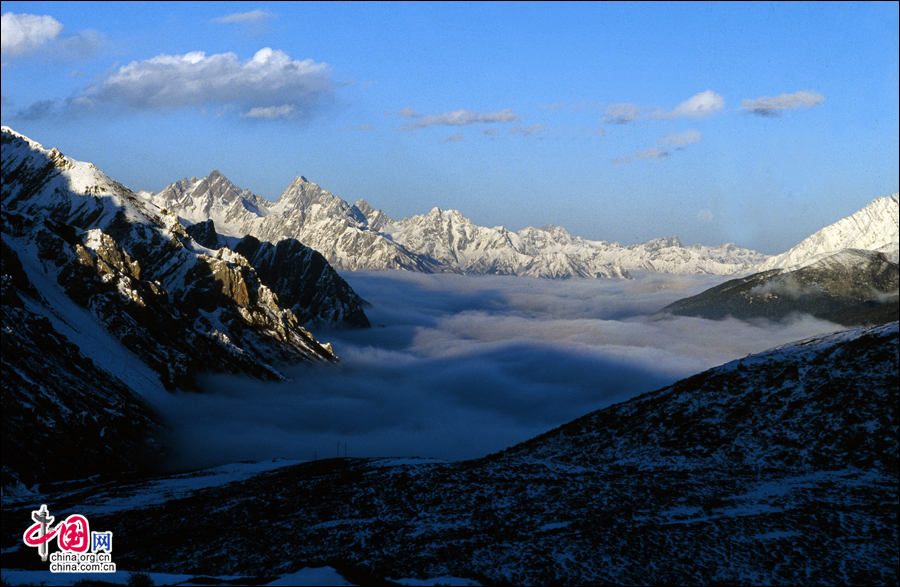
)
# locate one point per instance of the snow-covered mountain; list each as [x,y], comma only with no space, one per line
[778,468]
[107,300]
[874,228]
[359,236]
[852,287]
[845,273]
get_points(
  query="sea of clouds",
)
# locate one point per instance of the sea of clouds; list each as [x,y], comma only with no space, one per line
[458,367]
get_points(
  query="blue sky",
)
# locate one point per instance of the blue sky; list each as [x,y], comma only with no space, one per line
[749,123]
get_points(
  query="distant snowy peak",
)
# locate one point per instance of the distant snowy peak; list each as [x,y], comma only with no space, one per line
[213,197]
[359,236]
[875,228]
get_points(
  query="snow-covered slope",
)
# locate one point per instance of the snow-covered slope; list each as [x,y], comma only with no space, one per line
[362,237]
[779,468]
[875,228]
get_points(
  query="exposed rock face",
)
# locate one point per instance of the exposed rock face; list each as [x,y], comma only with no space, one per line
[204,234]
[361,237]
[305,282]
[301,277]
[103,285]
[779,468]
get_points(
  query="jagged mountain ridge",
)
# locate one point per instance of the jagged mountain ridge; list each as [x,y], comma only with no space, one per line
[779,468]
[361,237]
[80,221]
[108,301]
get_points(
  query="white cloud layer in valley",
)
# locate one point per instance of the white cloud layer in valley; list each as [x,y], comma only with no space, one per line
[459,367]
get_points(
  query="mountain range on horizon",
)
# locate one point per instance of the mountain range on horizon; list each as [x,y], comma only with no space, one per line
[358,236]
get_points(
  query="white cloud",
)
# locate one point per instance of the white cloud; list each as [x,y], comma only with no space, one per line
[270,85]
[454,138]
[652,153]
[458,118]
[23,33]
[766,106]
[240,17]
[698,106]
[621,113]
[680,139]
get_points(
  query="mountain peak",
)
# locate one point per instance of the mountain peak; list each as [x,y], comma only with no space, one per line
[875,227]
[662,242]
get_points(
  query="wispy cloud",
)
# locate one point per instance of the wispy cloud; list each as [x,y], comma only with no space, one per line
[697,106]
[356,128]
[270,85]
[242,17]
[458,137]
[652,153]
[270,112]
[37,110]
[407,112]
[766,106]
[573,106]
[457,118]
[680,139]
[621,113]
[528,130]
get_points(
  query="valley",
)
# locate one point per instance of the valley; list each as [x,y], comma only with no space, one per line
[465,421]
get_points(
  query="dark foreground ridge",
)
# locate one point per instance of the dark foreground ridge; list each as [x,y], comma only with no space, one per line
[777,468]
